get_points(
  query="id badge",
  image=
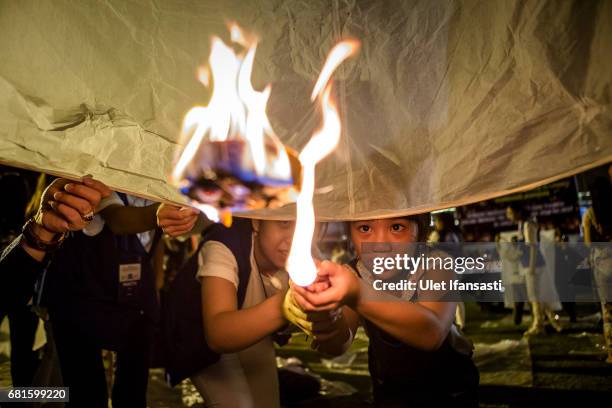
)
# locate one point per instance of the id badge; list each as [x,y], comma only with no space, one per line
[129,278]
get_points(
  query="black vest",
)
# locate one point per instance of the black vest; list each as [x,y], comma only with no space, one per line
[401,371]
[185,349]
[82,286]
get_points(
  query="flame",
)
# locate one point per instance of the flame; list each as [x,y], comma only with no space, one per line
[300,265]
[339,53]
[258,126]
[235,111]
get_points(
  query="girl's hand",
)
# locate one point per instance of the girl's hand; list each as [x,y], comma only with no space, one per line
[320,284]
[176,221]
[325,325]
[344,289]
[321,325]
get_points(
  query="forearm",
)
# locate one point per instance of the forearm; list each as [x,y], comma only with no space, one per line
[232,331]
[126,220]
[409,322]
[343,337]
[41,233]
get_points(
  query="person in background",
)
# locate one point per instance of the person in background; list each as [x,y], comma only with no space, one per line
[597,226]
[540,286]
[445,231]
[566,261]
[547,247]
[514,282]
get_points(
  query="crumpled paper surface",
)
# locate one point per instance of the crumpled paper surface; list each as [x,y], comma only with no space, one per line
[448,102]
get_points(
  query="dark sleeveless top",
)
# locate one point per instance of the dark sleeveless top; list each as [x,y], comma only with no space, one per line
[403,375]
[184,341]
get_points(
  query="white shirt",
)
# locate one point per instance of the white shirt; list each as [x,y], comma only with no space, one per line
[255,364]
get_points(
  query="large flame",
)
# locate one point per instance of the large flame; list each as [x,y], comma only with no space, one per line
[300,264]
[236,111]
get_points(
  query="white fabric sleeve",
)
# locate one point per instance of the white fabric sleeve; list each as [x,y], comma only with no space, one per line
[96,225]
[215,259]
[112,199]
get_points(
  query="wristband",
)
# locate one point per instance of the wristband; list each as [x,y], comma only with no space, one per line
[33,241]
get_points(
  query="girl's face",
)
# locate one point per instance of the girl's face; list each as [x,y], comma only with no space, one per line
[393,230]
[273,242]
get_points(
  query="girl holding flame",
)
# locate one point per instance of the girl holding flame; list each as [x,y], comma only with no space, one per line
[243,285]
[417,357]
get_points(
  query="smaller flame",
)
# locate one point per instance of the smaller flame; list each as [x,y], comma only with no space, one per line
[300,265]
[339,53]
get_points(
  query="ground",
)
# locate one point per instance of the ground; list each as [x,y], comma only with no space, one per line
[563,367]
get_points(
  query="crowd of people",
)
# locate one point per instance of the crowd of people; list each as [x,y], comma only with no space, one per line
[110,271]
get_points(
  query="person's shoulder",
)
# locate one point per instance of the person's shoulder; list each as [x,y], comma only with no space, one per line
[213,249]
[215,259]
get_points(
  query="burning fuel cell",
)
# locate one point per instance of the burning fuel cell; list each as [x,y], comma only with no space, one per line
[221,175]
[232,158]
